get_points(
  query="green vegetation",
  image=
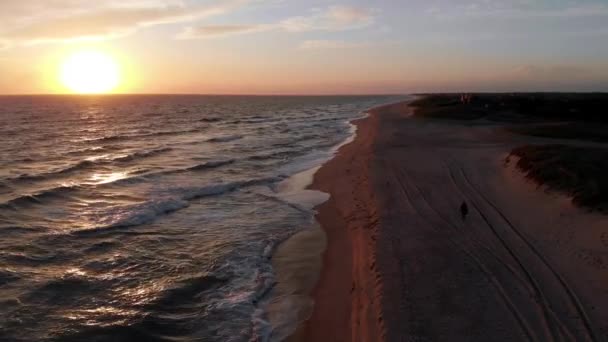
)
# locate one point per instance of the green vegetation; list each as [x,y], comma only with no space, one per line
[596,132]
[516,107]
[446,107]
[578,171]
[581,172]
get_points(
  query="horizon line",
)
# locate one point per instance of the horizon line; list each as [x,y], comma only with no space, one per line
[314,94]
[210,94]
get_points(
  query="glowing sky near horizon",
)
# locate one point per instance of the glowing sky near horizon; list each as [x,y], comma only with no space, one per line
[312,46]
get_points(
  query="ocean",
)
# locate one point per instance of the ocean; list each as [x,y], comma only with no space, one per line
[154,218]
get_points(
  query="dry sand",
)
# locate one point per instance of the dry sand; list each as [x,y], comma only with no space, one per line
[402,265]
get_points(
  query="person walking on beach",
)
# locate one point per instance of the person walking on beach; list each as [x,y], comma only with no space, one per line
[464,210]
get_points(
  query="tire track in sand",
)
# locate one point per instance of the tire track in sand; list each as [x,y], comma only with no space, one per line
[548,314]
[567,290]
[526,329]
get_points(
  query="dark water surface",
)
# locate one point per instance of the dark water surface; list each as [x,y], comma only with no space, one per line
[151,217]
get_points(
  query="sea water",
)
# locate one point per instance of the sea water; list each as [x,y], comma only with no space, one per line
[154,217]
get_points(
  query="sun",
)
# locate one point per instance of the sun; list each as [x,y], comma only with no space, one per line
[90,72]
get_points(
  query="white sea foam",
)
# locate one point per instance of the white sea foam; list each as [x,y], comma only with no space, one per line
[294,190]
[288,308]
[142,213]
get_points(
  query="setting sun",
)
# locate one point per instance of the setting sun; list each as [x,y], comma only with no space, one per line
[90,72]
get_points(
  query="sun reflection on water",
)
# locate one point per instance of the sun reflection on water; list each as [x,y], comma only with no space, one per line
[75,271]
[107,177]
[95,158]
[103,316]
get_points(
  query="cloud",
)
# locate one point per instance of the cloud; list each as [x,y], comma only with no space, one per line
[27,22]
[334,18]
[68,20]
[211,31]
[329,44]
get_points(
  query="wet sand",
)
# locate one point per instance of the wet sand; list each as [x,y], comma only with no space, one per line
[297,262]
[402,265]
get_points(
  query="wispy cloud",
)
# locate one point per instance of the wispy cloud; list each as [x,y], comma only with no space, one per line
[329,44]
[212,31]
[68,20]
[334,18]
[27,22]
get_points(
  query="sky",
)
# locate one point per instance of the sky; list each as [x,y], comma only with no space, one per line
[312,46]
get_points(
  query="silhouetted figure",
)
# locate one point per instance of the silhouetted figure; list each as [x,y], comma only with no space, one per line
[464,210]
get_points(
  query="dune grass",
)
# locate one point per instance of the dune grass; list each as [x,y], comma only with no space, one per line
[597,132]
[578,107]
[580,172]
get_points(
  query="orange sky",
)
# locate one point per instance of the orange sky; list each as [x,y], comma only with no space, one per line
[301,47]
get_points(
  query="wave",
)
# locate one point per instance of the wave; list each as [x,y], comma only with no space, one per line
[54,289]
[272,155]
[275,198]
[76,167]
[143,154]
[210,165]
[13,131]
[211,119]
[227,138]
[25,160]
[37,198]
[142,213]
[101,247]
[134,215]
[8,276]
[252,120]
[141,175]
[88,164]
[181,293]
[12,229]
[163,133]
[95,149]
[147,212]
[221,188]
[29,258]
[281,154]
[4,188]
[254,292]
[121,137]
[171,315]
[306,137]
[41,196]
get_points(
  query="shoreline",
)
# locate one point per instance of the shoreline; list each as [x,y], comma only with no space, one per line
[298,260]
[344,282]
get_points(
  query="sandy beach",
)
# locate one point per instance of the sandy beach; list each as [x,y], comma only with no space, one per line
[402,264]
